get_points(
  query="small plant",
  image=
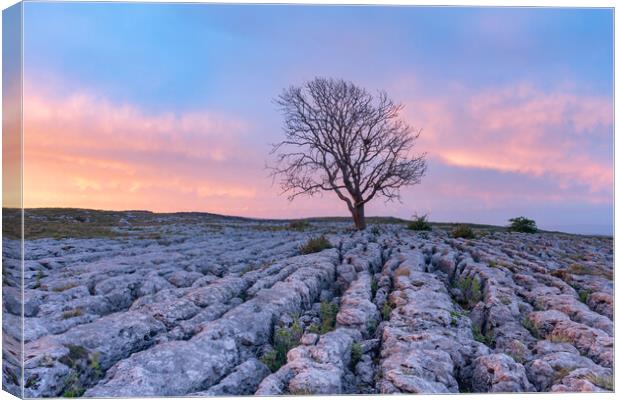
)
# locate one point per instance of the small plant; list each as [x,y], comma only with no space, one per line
[486,338]
[64,287]
[371,327]
[375,230]
[455,316]
[299,225]
[374,286]
[463,231]
[560,374]
[300,392]
[284,339]
[386,310]
[522,224]
[72,313]
[478,336]
[314,328]
[470,287]
[76,353]
[579,269]
[270,359]
[517,355]
[73,386]
[583,295]
[356,354]
[603,381]
[328,312]
[38,278]
[316,244]
[419,224]
[559,337]
[529,325]
[95,365]
[506,300]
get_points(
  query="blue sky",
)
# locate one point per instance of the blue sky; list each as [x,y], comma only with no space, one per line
[510,100]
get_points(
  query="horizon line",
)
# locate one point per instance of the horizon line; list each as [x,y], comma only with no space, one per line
[302,218]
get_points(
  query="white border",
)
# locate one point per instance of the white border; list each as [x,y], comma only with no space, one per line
[484,3]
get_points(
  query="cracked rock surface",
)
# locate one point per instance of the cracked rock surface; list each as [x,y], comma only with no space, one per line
[202,305]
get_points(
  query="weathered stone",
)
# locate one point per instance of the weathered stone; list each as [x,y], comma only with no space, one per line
[499,373]
[243,380]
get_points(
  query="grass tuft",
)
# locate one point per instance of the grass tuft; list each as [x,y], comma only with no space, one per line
[299,225]
[356,354]
[76,312]
[463,231]
[386,310]
[327,313]
[419,224]
[603,381]
[316,244]
[284,339]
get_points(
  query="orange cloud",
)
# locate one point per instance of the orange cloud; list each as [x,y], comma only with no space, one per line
[85,151]
[11,145]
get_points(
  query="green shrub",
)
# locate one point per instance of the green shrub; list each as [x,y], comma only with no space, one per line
[73,386]
[284,339]
[374,286]
[527,324]
[328,312]
[356,354]
[478,336]
[419,224]
[386,310]
[316,244]
[95,365]
[522,224]
[583,295]
[371,327]
[470,287]
[463,231]
[270,359]
[455,316]
[299,225]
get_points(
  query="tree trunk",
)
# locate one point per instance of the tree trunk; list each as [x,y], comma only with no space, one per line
[358,217]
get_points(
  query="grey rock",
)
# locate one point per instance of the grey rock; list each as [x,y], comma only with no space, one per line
[243,380]
[499,373]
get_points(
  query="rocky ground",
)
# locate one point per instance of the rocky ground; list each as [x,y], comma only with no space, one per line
[201,306]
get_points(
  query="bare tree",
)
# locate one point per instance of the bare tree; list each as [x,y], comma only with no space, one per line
[341,138]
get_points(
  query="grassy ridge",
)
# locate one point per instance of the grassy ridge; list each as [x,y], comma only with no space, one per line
[60,223]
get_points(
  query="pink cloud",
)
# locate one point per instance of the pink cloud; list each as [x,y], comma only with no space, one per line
[520,129]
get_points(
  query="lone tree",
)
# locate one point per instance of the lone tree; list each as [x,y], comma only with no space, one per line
[341,138]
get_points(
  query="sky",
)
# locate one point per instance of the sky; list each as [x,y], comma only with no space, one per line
[169,107]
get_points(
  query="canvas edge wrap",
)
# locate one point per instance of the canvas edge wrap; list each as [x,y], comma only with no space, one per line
[12,201]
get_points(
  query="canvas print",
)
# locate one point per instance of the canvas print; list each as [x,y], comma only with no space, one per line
[238,200]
